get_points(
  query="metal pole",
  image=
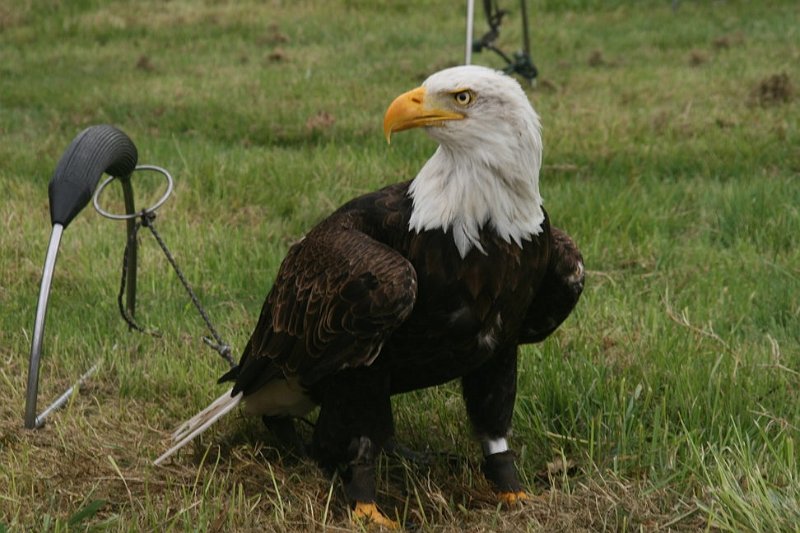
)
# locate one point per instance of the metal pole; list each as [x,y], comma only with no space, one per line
[130,284]
[526,39]
[38,326]
[61,400]
[470,27]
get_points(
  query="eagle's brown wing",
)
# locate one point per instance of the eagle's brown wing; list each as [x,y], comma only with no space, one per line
[559,292]
[337,297]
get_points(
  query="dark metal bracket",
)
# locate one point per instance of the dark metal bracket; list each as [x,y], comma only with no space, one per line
[519,62]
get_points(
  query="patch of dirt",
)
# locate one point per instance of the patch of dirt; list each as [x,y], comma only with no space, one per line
[320,121]
[8,19]
[596,59]
[272,37]
[729,40]
[278,55]
[725,123]
[776,89]
[144,63]
[697,58]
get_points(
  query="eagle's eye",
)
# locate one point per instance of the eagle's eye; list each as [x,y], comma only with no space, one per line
[463,98]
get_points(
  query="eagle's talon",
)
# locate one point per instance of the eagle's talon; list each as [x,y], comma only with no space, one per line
[512,498]
[369,512]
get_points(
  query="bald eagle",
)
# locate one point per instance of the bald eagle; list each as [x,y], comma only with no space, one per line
[414,285]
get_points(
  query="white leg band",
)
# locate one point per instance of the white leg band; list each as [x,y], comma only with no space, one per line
[493,446]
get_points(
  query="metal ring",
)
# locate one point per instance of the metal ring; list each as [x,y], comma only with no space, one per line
[128,216]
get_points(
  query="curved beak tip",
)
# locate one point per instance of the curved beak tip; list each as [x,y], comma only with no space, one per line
[409,110]
[402,112]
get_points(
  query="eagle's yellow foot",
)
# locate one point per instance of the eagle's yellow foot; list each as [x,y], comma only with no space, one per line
[511,498]
[369,512]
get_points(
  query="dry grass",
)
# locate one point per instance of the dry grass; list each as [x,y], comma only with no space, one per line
[96,456]
[236,486]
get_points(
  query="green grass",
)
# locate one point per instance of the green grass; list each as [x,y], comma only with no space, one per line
[673,392]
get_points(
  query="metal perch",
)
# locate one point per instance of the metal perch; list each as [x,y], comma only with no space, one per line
[96,150]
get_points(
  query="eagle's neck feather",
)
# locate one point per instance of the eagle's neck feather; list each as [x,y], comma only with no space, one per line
[466,190]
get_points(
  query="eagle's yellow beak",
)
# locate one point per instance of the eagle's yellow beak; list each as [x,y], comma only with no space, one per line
[410,110]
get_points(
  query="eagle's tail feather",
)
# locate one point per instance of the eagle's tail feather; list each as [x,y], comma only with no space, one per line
[212,408]
[200,422]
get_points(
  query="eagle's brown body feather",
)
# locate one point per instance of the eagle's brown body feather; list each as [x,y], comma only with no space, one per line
[363,298]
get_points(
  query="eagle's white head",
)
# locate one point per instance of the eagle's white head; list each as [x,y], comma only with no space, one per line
[486,169]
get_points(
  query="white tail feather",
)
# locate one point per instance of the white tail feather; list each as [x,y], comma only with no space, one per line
[200,422]
[217,404]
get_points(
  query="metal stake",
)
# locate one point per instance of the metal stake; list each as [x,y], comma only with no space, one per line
[31,421]
[470,27]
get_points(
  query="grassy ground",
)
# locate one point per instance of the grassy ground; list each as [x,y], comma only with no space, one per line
[669,400]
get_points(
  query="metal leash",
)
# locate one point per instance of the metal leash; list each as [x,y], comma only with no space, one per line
[146,218]
[217,343]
